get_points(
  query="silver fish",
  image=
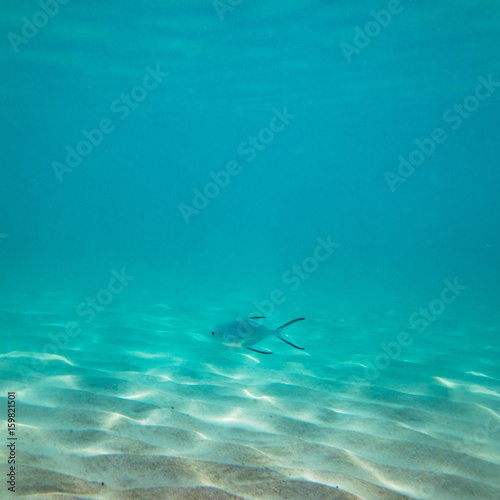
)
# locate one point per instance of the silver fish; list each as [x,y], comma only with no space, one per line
[246,333]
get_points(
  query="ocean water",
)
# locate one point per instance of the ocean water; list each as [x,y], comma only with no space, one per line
[170,166]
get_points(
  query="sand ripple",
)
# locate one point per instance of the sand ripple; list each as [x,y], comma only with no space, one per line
[117,414]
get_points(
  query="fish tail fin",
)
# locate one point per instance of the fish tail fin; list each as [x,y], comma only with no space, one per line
[290,322]
[290,343]
[278,333]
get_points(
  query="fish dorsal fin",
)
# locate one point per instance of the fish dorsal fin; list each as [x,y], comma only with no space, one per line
[290,322]
[257,317]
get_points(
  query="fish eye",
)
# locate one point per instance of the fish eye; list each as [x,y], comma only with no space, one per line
[213,333]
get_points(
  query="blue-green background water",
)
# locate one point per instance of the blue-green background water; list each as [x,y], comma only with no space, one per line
[322,176]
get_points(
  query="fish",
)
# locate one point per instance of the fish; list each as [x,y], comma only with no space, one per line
[247,332]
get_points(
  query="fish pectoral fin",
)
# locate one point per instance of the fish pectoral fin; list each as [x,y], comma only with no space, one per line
[264,351]
[291,343]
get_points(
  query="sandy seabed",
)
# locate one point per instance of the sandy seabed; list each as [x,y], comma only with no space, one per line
[140,405]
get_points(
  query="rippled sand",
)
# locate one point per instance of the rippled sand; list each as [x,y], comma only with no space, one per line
[140,405]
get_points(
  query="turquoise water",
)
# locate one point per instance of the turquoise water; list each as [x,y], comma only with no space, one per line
[172,166]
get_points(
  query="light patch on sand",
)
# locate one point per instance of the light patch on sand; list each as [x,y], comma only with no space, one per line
[219,372]
[253,358]
[336,410]
[311,475]
[361,463]
[249,394]
[483,390]
[155,418]
[354,363]
[478,389]
[186,382]
[92,451]
[447,383]
[425,432]
[18,424]
[382,481]
[489,410]
[65,380]
[114,417]
[36,355]
[147,355]
[479,374]
[233,417]
[237,418]
[139,395]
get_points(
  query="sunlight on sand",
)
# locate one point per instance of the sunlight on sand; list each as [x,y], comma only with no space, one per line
[18,424]
[114,409]
[220,372]
[479,375]
[92,451]
[114,417]
[234,417]
[147,355]
[447,383]
[249,356]
[482,390]
[139,395]
[493,413]
[266,398]
[43,356]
